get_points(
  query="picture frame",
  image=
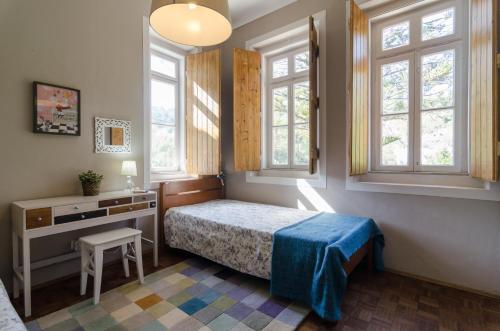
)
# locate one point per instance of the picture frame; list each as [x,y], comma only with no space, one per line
[112,135]
[56,110]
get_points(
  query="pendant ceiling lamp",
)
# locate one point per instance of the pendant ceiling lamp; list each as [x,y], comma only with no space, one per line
[192,22]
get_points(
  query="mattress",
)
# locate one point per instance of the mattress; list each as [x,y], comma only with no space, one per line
[9,320]
[233,233]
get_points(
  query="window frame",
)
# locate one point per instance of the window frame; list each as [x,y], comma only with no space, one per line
[154,75]
[271,84]
[415,50]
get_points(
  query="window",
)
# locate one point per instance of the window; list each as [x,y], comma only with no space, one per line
[288,109]
[419,114]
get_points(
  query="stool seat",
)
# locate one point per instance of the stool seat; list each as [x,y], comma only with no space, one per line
[109,236]
[93,247]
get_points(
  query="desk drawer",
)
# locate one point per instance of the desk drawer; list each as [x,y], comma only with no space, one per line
[115,202]
[37,218]
[143,198]
[76,208]
[128,209]
[80,216]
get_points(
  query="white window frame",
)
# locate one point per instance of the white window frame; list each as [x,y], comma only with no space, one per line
[152,42]
[290,37]
[451,185]
[288,81]
[157,76]
[413,52]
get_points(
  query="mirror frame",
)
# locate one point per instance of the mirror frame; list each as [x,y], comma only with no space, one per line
[100,126]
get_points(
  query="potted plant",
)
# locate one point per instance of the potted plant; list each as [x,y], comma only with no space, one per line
[91,182]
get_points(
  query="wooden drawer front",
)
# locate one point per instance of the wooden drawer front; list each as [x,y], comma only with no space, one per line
[73,209]
[127,209]
[37,218]
[148,197]
[115,202]
[80,216]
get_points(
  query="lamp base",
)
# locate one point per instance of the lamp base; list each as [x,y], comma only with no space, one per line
[130,184]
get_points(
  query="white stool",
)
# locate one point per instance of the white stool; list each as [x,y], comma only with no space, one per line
[92,248]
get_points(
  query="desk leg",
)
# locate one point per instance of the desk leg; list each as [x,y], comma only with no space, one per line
[15,264]
[155,240]
[27,276]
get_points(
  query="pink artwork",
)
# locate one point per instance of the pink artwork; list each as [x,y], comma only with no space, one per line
[56,110]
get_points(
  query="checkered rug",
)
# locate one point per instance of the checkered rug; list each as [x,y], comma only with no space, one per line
[192,295]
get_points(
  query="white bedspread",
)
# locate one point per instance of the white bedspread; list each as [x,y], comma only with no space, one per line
[9,320]
[233,233]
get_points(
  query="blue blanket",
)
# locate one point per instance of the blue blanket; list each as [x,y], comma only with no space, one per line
[307,259]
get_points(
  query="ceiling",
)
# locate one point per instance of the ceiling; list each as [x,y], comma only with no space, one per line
[245,11]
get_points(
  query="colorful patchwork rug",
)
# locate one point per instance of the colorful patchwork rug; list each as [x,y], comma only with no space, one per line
[192,295]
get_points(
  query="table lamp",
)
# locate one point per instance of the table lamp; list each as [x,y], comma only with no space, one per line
[129,169]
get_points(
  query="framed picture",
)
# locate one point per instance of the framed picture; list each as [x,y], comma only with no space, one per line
[56,110]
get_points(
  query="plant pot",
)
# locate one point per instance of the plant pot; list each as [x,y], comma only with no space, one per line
[91,189]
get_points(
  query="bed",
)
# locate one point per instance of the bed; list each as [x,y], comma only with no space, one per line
[240,235]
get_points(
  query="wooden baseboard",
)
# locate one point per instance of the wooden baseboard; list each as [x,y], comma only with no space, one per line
[438,282]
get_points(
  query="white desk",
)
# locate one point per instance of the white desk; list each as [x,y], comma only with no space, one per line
[45,217]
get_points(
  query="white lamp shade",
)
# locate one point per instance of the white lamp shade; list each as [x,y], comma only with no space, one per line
[192,22]
[129,168]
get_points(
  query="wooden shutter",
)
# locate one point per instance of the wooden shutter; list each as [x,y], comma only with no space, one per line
[313,97]
[203,89]
[359,92]
[483,113]
[246,110]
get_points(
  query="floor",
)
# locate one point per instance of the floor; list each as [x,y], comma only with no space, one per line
[382,301]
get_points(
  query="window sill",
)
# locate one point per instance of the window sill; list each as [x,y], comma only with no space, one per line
[439,185]
[157,178]
[298,178]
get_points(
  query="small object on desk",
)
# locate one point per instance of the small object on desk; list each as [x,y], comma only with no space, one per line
[91,182]
[137,190]
[129,169]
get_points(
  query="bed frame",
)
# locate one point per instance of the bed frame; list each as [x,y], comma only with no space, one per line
[188,192]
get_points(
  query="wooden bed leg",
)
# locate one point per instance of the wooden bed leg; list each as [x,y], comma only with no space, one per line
[370,256]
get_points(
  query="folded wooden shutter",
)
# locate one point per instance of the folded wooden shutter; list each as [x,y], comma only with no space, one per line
[203,89]
[246,110]
[483,105]
[359,92]
[313,97]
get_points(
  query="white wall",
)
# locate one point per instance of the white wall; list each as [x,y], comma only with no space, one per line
[450,240]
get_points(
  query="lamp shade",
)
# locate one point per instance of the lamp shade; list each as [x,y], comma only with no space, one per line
[129,168]
[192,22]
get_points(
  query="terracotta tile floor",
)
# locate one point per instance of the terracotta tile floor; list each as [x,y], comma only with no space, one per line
[382,301]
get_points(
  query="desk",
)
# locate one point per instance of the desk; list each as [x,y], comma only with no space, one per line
[45,217]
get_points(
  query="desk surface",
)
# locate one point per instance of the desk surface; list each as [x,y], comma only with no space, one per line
[73,199]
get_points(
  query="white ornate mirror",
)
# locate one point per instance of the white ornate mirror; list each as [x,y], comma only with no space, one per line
[112,136]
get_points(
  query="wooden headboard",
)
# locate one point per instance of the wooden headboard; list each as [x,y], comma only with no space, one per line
[187,192]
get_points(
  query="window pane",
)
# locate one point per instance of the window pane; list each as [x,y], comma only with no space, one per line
[395,140]
[280,106]
[301,144]
[302,62]
[163,150]
[395,87]
[396,36]
[301,100]
[280,145]
[163,103]
[280,68]
[437,137]
[163,66]
[438,76]
[438,24]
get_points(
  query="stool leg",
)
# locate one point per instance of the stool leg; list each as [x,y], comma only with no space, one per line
[138,258]
[84,265]
[98,260]
[125,260]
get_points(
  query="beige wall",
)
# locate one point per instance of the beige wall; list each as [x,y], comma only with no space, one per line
[451,240]
[91,45]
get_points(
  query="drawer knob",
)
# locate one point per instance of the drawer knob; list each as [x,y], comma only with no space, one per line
[143,198]
[130,208]
[76,207]
[39,219]
[83,217]
[116,202]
